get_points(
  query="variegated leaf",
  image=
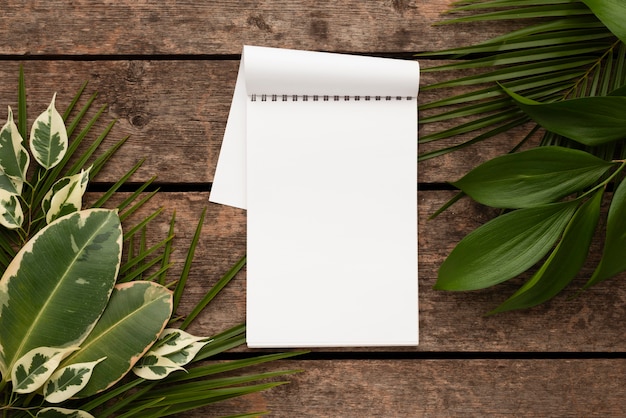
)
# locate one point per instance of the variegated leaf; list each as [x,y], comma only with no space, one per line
[153,367]
[184,356]
[48,137]
[62,413]
[14,158]
[11,214]
[172,340]
[35,367]
[136,315]
[65,196]
[57,286]
[69,380]
[9,185]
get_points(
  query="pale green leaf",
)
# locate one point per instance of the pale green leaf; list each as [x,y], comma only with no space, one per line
[611,13]
[504,247]
[14,158]
[184,356]
[563,264]
[11,213]
[69,380]
[172,340]
[57,286]
[155,367]
[48,137]
[136,314]
[588,120]
[65,196]
[35,367]
[63,413]
[533,177]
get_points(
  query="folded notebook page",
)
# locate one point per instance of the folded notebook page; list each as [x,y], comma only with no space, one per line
[321,149]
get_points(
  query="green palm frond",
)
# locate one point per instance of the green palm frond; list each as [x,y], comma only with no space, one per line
[563,52]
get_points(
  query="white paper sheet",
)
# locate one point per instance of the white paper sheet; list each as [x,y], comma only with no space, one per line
[330,189]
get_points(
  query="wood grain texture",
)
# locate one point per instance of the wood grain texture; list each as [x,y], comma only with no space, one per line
[442,388]
[449,322]
[175,113]
[175,27]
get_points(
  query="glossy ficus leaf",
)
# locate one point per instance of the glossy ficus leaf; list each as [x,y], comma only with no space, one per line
[172,340]
[69,380]
[530,178]
[11,213]
[35,367]
[14,158]
[57,286]
[48,137]
[62,413]
[504,247]
[611,13]
[589,120]
[154,367]
[564,262]
[65,196]
[613,260]
[136,314]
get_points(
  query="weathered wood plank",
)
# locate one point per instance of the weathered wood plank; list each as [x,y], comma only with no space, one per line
[449,322]
[175,27]
[175,113]
[435,388]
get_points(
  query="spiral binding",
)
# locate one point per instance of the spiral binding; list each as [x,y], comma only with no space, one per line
[325,98]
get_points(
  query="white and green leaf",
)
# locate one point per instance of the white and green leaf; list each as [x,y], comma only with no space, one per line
[184,356]
[48,137]
[154,367]
[57,286]
[65,196]
[54,412]
[172,340]
[14,158]
[137,313]
[11,213]
[35,367]
[69,380]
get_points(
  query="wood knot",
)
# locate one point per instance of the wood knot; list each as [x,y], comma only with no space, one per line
[260,23]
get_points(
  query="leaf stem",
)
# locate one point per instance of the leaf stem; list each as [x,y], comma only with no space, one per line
[608,179]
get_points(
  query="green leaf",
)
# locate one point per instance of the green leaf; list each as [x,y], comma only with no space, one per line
[504,247]
[57,286]
[11,214]
[14,158]
[173,340]
[69,380]
[48,137]
[533,177]
[564,263]
[136,314]
[611,13]
[35,367]
[613,260]
[63,413]
[588,120]
[65,196]
[155,367]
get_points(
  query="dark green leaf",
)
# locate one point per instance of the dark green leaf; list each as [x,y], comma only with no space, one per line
[613,260]
[588,120]
[611,13]
[504,247]
[563,264]
[534,177]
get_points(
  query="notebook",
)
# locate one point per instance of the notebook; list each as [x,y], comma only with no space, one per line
[321,150]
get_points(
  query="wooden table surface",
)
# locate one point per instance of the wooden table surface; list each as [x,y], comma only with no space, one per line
[167,70]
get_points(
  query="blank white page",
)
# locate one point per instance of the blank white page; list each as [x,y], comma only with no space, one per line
[332,200]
